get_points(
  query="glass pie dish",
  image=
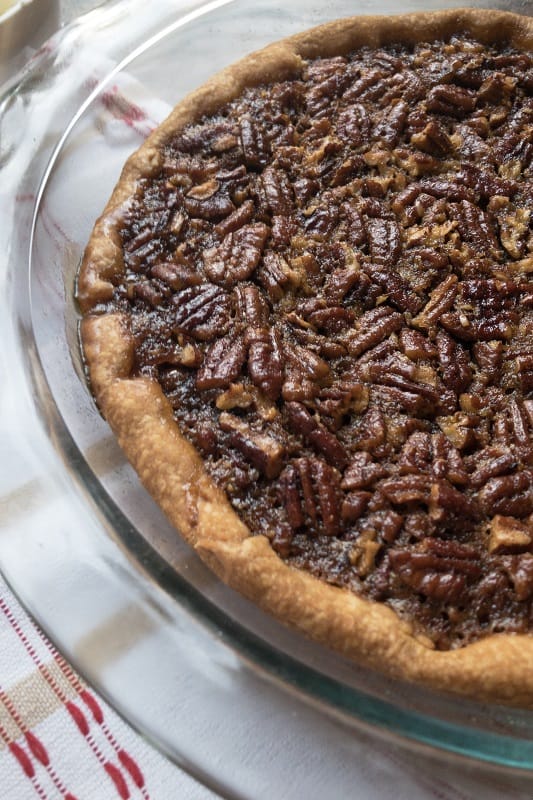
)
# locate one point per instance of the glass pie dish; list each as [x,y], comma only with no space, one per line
[82,544]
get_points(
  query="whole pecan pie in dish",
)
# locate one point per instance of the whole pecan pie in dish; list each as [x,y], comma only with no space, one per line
[308,317]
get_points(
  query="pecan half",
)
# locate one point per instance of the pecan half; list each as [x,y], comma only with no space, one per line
[384,241]
[212,207]
[302,422]
[177,276]
[451,100]
[254,142]
[441,300]
[305,373]
[372,328]
[277,191]
[362,472]
[265,363]
[510,495]
[454,362]
[237,256]
[223,363]
[310,490]
[439,570]
[398,290]
[433,454]
[238,218]
[202,311]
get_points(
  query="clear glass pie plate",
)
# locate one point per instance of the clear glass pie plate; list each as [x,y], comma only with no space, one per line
[230,694]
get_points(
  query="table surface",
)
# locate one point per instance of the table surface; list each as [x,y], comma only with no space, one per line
[70,9]
[43,704]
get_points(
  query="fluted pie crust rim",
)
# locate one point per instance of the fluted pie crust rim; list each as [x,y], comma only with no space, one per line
[496,668]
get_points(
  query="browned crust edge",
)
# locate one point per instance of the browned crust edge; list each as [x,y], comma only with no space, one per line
[497,668]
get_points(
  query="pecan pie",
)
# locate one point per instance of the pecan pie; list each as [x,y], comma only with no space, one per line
[308,317]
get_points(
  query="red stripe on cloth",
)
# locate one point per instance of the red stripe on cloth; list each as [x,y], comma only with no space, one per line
[92,703]
[97,712]
[118,779]
[128,763]
[125,111]
[121,108]
[76,713]
[25,762]
[36,747]
[27,767]
[125,759]
[78,717]
[23,759]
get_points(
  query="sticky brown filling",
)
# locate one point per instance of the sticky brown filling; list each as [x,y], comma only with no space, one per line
[331,281]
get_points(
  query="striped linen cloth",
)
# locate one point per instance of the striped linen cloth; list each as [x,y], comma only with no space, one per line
[58,739]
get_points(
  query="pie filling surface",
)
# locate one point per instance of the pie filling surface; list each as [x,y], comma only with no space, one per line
[330,279]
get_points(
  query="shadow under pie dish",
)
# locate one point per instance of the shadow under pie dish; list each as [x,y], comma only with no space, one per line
[308,319]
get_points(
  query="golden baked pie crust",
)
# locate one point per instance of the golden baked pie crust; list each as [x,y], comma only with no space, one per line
[496,668]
